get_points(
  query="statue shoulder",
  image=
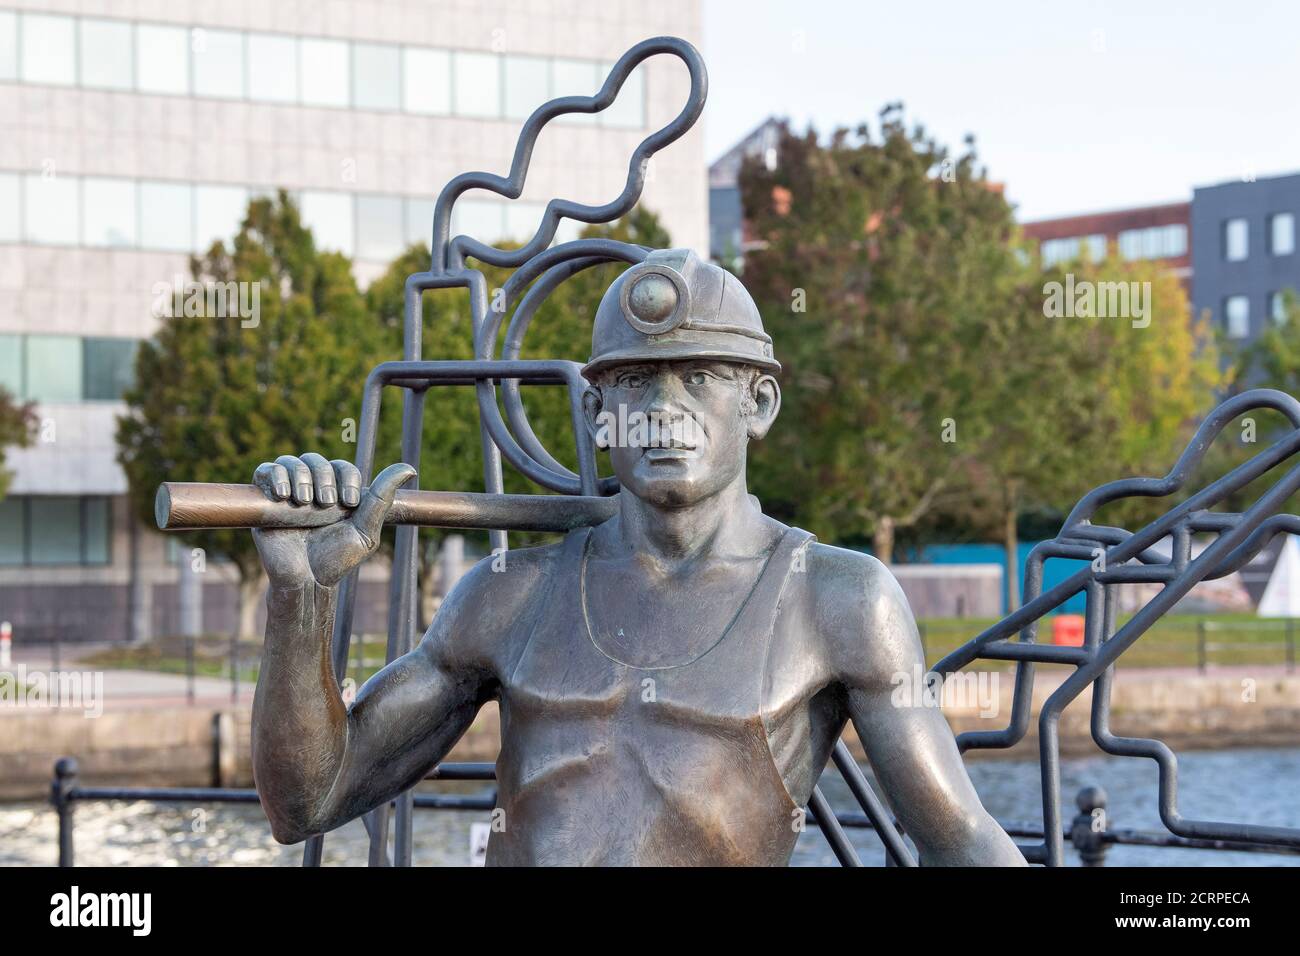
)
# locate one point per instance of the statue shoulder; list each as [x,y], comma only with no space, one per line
[505,579]
[476,620]
[861,613]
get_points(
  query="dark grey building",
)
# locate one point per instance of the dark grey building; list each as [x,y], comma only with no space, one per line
[1244,251]
[727,240]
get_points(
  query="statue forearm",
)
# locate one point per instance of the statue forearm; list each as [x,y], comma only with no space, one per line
[299,731]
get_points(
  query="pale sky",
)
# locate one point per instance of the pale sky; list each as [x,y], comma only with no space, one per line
[1076,106]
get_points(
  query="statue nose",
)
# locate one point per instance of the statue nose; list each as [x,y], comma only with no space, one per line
[666,393]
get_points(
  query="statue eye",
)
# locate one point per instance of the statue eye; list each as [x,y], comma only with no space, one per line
[631,380]
[698,377]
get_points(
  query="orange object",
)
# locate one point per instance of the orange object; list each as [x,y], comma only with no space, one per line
[1068,629]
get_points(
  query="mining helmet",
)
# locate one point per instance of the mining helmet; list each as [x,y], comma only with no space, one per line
[673,305]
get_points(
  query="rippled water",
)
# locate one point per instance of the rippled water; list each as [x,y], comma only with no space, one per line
[1247,786]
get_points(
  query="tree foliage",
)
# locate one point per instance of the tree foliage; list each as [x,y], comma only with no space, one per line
[878,276]
[216,395]
[932,385]
[17,425]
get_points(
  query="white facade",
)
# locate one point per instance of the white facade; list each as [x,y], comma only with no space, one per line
[133,132]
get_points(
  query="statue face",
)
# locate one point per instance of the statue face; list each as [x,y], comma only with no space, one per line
[677,430]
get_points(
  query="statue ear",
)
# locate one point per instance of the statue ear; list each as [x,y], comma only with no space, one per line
[592,406]
[767,404]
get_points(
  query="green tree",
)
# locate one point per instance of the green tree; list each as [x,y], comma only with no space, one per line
[1074,399]
[17,425]
[215,394]
[881,269]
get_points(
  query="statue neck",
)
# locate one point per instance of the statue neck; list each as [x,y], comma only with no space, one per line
[725,523]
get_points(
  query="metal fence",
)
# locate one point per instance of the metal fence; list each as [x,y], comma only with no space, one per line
[1089,832]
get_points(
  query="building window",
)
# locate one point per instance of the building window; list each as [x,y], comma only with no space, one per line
[576,78]
[218,214]
[66,368]
[323,72]
[8,45]
[48,49]
[379,228]
[419,221]
[426,81]
[1174,241]
[51,209]
[163,63]
[218,63]
[479,219]
[1277,307]
[11,365]
[1236,240]
[377,77]
[55,530]
[522,220]
[628,109]
[166,216]
[119,54]
[52,368]
[101,212]
[109,367]
[1154,242]
[272,68]
[1281,230]
[108,212]
[1236,316]
[1053,251]
[329,217]
[10,205]
[477,84]
[527,85]
[105,54]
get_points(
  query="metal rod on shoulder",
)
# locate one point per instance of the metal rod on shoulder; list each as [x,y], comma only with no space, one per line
[196,506]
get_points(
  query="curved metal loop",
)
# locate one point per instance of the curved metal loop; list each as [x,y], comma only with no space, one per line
[449,256]
[1191,456]
[511,397]
[537,468]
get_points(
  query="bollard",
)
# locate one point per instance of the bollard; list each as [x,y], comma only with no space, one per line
[6,642]
[1200,646]
[189,670]
[1087,831]
[65,781]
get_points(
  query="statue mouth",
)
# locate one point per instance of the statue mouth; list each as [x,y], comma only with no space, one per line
[669,453]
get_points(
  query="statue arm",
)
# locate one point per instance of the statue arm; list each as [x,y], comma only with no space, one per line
[319,764]
[910,746]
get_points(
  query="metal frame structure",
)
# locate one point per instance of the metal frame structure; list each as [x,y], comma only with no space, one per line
[540,268]
[1116,556]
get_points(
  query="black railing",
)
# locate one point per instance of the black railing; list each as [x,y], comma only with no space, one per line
[1088,832]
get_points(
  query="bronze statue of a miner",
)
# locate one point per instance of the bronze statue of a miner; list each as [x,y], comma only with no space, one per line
[671,682]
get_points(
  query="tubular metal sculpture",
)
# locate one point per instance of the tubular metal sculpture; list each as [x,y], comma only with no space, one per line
[661,317]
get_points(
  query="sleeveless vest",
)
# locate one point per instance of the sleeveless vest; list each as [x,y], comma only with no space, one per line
[607,763]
